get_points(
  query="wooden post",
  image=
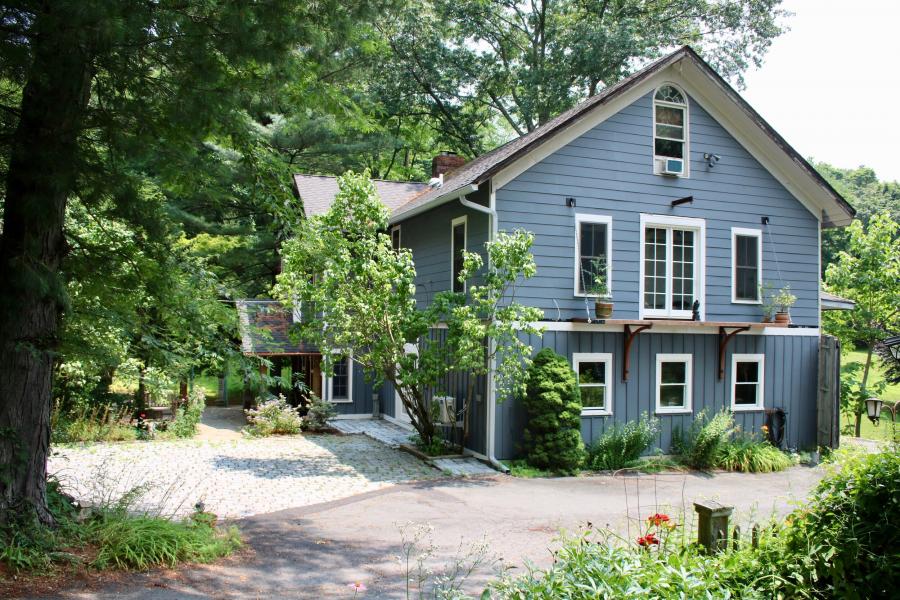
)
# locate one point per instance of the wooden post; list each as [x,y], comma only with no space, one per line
[712,529]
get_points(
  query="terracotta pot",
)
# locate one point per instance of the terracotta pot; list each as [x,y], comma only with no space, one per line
[603,309]
[766,319]
[782,317]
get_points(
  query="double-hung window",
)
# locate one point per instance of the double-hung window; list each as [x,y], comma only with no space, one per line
[672,270]
[747,381]
[593,255]
[673,383]
[594,373]
[340,384]
[746,265]
[457,250]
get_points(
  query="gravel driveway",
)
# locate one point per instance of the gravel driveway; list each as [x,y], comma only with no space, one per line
[235,478]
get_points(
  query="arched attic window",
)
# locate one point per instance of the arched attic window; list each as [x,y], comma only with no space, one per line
[670,131]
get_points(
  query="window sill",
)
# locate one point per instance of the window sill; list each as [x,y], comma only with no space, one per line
[679,411]
[596,413]
[752,302]
[753,408]
[342,401]
[580,295]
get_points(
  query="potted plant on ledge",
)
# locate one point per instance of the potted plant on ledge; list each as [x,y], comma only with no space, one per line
[599,288]
[783,301]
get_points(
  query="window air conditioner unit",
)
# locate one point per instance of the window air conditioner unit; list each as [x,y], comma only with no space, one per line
[447,406]
[673,167]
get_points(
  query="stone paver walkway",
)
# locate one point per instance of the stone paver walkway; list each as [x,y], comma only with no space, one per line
[394,435]
[378,429]
[233,478]
[221,423]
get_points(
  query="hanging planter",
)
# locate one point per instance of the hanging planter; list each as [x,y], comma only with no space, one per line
[784,300]
[603,308]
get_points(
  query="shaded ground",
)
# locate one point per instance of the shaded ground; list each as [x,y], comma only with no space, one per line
[315,551]
[220,423]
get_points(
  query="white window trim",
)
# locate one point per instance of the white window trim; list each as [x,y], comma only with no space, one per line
[607,360]
[742,231]
[330,384]
[586,218]
[687,130]
[399,236]
[698,225]
[760,388]
[688,360]
[465,223]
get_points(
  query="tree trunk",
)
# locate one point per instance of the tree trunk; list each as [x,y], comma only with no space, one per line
[41,176]
[862,387]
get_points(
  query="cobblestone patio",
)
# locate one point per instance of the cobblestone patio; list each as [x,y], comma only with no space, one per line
[234,478]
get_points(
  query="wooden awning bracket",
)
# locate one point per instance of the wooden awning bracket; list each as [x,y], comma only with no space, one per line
[724,338]
[629,337]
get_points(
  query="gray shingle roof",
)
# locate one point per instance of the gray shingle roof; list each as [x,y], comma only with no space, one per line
[318,192]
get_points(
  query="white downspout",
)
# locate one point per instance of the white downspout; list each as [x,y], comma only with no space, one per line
[491,399]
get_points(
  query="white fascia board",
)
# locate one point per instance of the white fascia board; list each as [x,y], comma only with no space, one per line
[442,199]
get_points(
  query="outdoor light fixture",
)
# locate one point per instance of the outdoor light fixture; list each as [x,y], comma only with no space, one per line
[873,409]
[685,200]
[711,159]
[570,202]
[893,344]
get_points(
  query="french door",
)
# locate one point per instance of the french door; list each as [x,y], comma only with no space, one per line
[672,267]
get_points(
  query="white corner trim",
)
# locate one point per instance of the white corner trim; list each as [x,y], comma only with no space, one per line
[760,388]
[398,229]
[592,218]
[607,359]
[688,360]
[745,232]
[464,221]
[667,221]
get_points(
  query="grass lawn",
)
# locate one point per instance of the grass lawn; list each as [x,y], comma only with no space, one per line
[891,394]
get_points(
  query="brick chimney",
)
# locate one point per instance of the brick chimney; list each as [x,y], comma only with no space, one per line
[445,162]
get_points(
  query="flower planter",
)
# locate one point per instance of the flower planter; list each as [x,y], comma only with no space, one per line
[603,309]
[782,317]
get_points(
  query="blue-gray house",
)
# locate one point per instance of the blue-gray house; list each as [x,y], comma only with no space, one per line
[672,186]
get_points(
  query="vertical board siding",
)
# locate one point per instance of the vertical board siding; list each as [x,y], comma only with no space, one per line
[791,364]
[608,171]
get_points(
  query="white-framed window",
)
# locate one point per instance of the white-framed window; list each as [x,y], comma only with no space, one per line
[593,253]
[747,381]
[340,384]
[458,236]
[746,265]
[670,131]
[673,274]
[594,374]
[674,376]
[395,237]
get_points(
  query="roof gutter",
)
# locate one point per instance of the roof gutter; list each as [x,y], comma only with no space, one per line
[491,212]
[457,193]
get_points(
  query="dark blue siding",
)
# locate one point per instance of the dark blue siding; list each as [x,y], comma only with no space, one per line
[609,171]
[791,364]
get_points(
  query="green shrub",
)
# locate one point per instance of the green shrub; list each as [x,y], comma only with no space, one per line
[700,445]
[141,542]
[187,417]
[273,417]
[552,436]
[91,423]
[751,456]
[622,445]
[850,532]
[318,413]
[121,540]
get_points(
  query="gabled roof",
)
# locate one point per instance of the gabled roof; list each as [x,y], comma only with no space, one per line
[318,192]
[265,327]
[481,169]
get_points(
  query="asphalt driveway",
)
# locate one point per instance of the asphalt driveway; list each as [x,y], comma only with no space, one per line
[317,550]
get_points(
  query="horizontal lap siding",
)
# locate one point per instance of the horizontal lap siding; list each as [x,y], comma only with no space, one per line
[428,237]
[608,171]
[790,383]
